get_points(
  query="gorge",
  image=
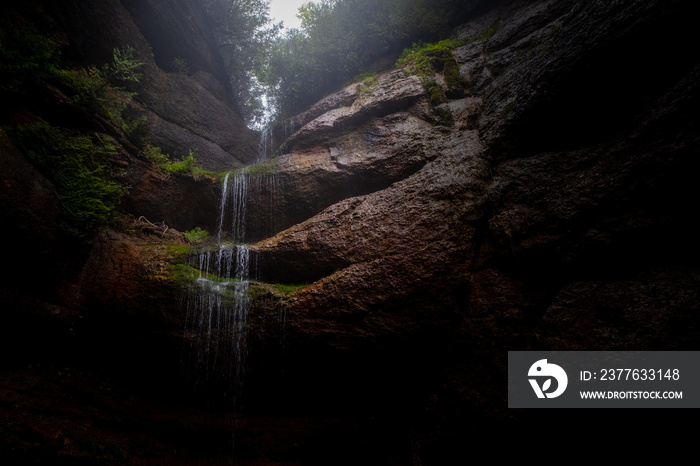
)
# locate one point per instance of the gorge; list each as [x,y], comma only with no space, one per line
[372,259]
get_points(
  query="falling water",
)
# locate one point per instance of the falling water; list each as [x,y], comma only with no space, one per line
[217,314]
[289,127]
[265,145]
[233,206]
[219,303]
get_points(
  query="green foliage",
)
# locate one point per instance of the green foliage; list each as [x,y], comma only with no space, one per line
[137,131]
[123,68]
[154,154]
[268,167]
[196,235]
[289,289]
[368,83]
[244,33]
[437,97]
[25,56]
[184,166]
[79,166]
[94,87]
[445,115]
[338,39]
[428,58]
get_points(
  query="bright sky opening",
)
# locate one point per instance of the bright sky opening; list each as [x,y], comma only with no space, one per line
[286,10]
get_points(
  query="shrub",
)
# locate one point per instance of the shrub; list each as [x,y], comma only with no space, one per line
[427,58]
[79,166]
[154,154]
[137,131]
[25,55]
[368,83]
[196,235]
[184,166]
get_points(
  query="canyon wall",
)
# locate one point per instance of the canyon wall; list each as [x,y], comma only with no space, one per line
[547,202]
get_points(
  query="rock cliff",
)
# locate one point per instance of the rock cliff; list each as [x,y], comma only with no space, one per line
[547,203]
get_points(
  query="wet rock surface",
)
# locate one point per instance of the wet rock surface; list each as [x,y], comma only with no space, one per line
[549,207]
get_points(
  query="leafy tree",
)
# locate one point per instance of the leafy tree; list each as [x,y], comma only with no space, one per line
[244,33]
[340,38]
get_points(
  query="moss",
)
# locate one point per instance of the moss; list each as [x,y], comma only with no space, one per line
[289,289]
[183,274]
[437,97]
[445,115]
[369,82]
[177,252]
[428,58]
[453,77]
[268,167]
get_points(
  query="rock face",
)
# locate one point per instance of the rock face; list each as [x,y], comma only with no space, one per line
[553,210]
[193,111]
[547,205]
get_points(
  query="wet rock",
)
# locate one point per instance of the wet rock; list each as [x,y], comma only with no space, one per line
[195,111]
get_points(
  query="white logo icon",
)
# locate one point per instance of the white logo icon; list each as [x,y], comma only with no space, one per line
[547,372]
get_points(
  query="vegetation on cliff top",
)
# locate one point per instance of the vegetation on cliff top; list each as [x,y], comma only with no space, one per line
[340,38]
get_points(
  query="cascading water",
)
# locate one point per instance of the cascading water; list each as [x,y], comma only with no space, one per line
[289,127]
[219,303]
[232,212]
[217,313]
[265,145]
[217,309]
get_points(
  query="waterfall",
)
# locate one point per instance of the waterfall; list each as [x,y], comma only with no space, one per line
[289,127]
[233,206]
[218,304]
[265,145]
[217,314]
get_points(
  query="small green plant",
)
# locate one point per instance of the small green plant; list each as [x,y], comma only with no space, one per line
[25,56]
[102,90]
[196,235]
[79,166]
[368,83]
[137,131]
[185,166]
[426,60]
[154,154]
[123,68]
[180,65]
